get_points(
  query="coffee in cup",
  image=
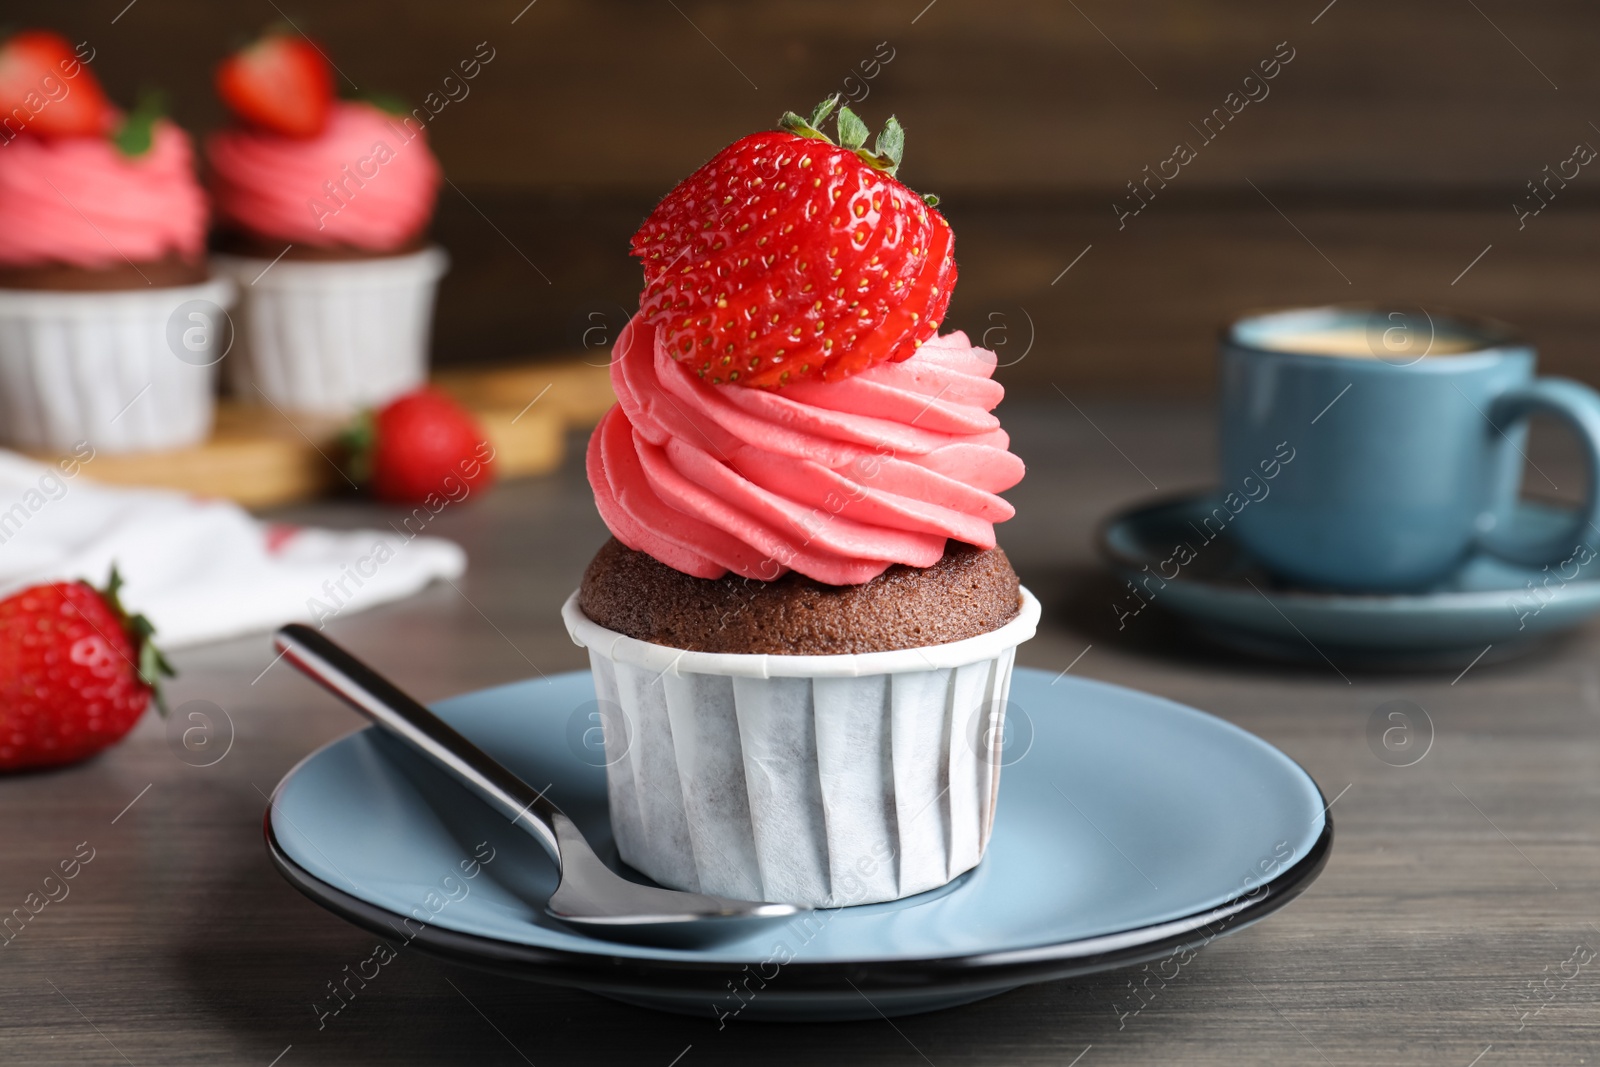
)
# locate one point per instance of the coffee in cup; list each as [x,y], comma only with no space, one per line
[1407,432]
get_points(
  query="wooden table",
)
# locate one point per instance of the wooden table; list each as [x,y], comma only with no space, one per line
[1456,886]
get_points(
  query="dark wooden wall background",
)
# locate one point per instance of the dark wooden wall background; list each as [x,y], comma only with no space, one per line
[1391,149]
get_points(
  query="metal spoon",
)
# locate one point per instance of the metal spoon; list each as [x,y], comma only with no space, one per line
[590,897]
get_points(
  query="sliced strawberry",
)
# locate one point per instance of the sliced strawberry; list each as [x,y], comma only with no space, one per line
[280,83]
[787,258]
[46,91]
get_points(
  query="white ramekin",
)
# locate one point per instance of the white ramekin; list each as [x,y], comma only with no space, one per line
[332,337]
[101,367]
[816,780]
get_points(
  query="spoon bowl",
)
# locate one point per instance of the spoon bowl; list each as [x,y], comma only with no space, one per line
[591,897]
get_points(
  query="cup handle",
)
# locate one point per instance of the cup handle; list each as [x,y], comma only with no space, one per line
[1578,407]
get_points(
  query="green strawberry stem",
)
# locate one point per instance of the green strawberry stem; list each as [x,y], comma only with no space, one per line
[891,143]
[853,134]
[153,666]
[887,150]
[811,127]
[137,132]
[356,444]
[387,102]
[820,113]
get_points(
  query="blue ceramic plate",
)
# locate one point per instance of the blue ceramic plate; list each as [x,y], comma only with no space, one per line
[1236,603]
[1129,829]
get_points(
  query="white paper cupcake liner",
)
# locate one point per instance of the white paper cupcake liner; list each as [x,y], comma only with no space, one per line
[333,337]
[101,367]
[815,780]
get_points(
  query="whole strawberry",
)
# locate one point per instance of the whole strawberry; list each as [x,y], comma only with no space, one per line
[280,83]
[788,257]
[76,672]
[420,448]
[46,91]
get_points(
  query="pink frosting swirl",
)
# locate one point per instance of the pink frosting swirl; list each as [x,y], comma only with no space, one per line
[367,180]
[836,480]
[80,201]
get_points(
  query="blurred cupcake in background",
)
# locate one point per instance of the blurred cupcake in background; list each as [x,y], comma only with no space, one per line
[322,209]
[109,321]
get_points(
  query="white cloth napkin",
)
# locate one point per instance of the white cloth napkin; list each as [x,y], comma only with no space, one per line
[200,570]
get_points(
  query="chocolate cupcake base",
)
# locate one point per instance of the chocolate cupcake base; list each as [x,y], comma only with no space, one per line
[253,246]
[174,270]
[969,592]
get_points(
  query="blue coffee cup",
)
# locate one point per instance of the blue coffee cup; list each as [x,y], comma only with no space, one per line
[1372,449]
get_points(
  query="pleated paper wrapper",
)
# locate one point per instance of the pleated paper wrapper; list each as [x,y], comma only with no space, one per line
[100,367]
[331,337]
[816,780]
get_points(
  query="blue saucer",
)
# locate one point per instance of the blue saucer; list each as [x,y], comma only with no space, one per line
[1129,829]
[1230,599]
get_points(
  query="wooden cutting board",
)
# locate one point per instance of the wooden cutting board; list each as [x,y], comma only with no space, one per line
[261,457]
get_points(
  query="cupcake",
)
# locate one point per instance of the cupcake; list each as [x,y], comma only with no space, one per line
[801,632]
[108,314]
[322,209]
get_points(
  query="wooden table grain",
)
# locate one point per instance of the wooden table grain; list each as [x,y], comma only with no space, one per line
[1445,929]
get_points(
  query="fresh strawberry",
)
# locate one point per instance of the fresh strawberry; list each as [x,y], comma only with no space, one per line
[76,672]
[280,83]
[45,90]
[788,257]
[420,448]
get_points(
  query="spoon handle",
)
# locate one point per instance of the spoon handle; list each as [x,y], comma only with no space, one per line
[381,701]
